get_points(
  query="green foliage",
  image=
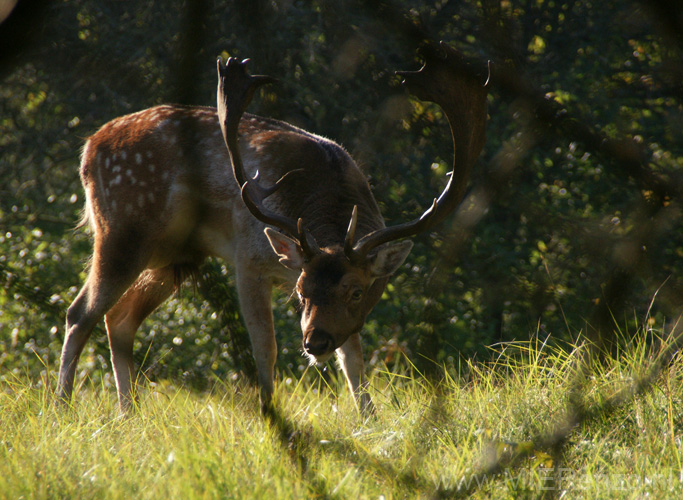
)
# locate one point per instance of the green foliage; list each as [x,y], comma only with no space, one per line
[552,216]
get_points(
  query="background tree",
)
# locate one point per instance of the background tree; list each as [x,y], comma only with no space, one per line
[572,223]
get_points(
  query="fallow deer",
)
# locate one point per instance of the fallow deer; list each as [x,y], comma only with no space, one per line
[161,197]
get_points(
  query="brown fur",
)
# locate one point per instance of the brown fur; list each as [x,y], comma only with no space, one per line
[160,198]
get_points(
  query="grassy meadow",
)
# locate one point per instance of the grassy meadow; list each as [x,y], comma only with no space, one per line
[489,432]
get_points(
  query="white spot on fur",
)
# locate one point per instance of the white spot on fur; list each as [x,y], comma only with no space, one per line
[106,162]
[165,123]
[148,154]
[116,168]
[129,172]
[138,158]
[151,167]
[150,197]
[123,155]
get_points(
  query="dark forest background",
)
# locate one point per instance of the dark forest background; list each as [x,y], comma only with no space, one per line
[571,227]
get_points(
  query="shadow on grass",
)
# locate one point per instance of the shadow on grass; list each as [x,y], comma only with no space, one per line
[301,445]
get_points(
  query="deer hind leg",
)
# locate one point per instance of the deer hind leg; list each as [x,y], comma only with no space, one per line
[107,280]
[255,296]
[350,357]
[144,296]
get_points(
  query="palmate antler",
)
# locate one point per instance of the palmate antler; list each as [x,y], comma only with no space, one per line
[235,91]
[446,78]
[460,88]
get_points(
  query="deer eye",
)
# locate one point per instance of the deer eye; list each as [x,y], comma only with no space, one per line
[357,294]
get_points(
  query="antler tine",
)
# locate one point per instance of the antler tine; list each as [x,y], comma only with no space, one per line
[306,241]
[253,196]
[351,232]
[235,90]
[266,192]
[456,84]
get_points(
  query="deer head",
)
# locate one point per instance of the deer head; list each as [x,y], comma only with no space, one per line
[339,283]
[335,294]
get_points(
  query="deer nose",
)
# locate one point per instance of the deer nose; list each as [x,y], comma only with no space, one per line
[318,342]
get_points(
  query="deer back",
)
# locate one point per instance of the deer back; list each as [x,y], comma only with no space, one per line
[162,178]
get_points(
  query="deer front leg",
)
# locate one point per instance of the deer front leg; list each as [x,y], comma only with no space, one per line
[350,356]
[255,294]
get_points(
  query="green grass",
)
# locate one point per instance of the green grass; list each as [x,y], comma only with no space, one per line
[480,433]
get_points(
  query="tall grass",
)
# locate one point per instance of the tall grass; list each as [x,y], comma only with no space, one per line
[427,439]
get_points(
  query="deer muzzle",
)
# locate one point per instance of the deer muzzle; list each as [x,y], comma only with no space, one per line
[318,342]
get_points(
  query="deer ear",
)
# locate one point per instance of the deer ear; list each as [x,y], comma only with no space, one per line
[389,258]
[286,248]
